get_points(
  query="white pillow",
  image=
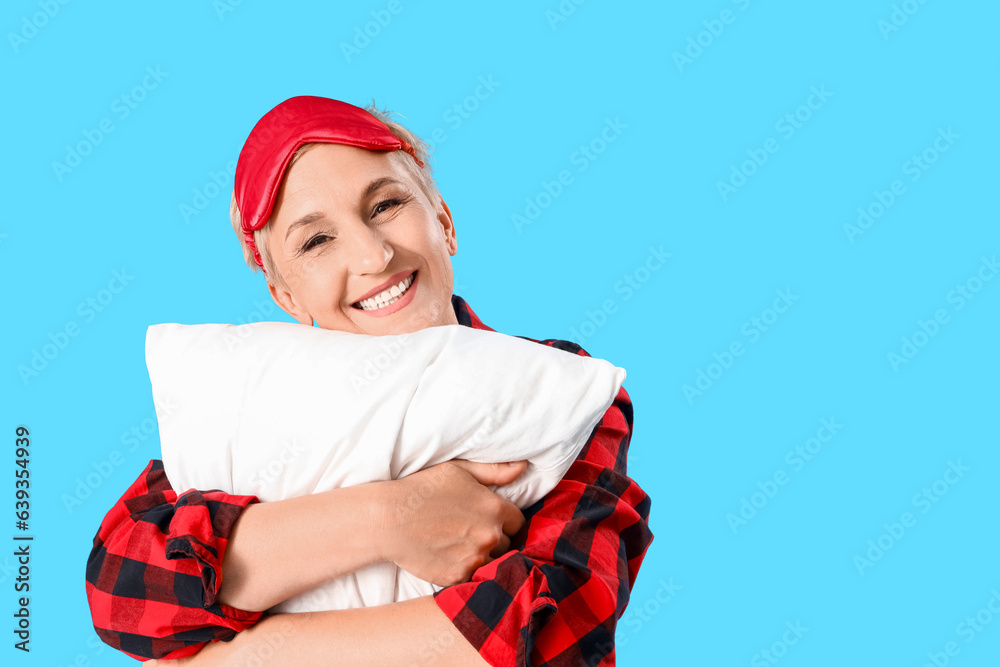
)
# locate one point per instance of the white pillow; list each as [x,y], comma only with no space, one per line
[278,410]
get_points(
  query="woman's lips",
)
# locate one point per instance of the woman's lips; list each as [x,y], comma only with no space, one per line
[398,304]
[393,280]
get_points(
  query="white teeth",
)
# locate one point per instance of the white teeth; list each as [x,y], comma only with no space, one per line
[387,296]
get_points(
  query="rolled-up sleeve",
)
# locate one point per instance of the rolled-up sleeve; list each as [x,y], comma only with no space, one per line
[155,569]
[555,600]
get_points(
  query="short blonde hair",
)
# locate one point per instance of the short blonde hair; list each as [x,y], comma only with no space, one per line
[422,176]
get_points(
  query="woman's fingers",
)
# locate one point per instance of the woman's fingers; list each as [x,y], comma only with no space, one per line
[512,518]
[493,473]
[502,547]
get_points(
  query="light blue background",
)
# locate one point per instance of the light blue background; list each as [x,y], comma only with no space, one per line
[706,594]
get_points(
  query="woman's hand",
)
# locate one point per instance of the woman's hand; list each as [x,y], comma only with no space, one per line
[441,524]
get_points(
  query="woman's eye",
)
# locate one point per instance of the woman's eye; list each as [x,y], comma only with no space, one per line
[384,206]
[315,241]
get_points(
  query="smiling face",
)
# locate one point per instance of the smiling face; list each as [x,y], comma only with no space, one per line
[349,223]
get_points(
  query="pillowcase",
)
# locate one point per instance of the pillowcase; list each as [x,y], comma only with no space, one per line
[279,410]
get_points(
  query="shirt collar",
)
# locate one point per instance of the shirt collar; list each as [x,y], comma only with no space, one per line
[465,315]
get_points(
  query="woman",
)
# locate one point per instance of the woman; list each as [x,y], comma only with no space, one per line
[336,204]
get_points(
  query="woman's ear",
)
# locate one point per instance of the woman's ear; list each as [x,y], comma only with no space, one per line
[448,225]
[286,301]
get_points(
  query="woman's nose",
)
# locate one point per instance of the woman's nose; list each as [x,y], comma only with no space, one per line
[368,250]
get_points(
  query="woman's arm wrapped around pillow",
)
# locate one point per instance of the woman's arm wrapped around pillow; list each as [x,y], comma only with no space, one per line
[159,587]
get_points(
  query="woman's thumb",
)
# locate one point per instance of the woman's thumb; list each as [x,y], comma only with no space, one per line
[494,473]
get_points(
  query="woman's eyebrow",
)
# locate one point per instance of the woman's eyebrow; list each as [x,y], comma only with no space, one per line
[378,183]
[304,220]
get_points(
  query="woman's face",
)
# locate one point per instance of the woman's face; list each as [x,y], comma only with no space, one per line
[346,222]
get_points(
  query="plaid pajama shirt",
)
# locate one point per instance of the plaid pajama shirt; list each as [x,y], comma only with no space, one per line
[553,600]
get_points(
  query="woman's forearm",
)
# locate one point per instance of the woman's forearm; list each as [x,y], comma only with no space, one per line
[280,549]
[440,524]
[412,633]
